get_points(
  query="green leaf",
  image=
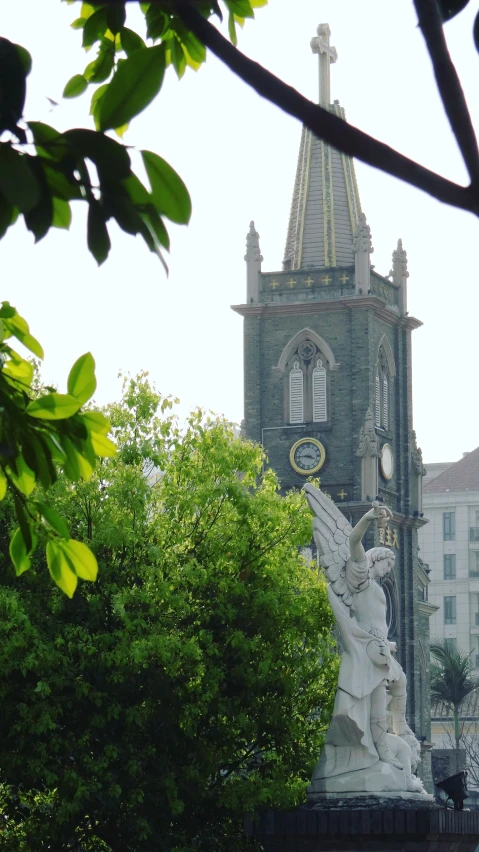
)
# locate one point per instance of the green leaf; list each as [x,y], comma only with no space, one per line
[96,422]
[102,446]
[111,159]
[17,181]
[178,57]
[18,327]
[115,18]
[18,369]
[25,525]
[98,238]
[81,559]
[130,41]
[60,569]
[94,27]
[136,82]
[75,86]
[78,24]
[23,478]
[95,102]
[157,227]
[53,406]
[25,58]
[37,455]
[19,554]
[6,212]
[81,380]
[54,520]
[169,193]
[48,141]
[62,214]
[40,218]
[3,484]
[232,29]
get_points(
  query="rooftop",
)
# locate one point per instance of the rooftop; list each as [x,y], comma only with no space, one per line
[463,475]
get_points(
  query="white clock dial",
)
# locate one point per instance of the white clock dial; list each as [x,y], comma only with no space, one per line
[387,461]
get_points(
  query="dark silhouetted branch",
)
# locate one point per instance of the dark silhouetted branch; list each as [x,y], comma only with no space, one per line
[449,85]
[328,127]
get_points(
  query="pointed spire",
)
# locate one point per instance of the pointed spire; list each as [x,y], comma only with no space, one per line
[399,275]
[327,55]
[325,207]
[362,248]
[253,258]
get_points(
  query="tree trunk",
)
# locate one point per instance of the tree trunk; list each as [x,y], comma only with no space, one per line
[457,737]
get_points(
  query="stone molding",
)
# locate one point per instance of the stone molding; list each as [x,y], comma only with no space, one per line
[355,303]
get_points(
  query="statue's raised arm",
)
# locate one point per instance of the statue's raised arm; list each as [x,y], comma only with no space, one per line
[340,550]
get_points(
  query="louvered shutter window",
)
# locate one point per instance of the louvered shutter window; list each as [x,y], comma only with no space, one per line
[320,405]
[378,401]
[385,402]
[296,394]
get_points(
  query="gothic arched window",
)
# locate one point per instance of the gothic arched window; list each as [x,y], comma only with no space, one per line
[306,385]
[382,392]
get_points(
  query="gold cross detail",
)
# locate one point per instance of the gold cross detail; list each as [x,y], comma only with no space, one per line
[309,281]
[291,282]
[344,278]
[342,493]
[274,284]
[326,280]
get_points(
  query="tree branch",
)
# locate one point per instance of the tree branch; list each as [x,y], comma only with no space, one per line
[325,125]
[449,85]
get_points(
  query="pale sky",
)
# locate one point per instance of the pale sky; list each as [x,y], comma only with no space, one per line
[237,154]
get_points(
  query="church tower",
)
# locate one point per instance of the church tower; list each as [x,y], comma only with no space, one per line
[327,366]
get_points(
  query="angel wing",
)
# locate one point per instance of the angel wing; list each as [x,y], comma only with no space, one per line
[331,533]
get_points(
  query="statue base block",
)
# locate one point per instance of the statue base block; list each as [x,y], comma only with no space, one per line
[380,823]
[378,778]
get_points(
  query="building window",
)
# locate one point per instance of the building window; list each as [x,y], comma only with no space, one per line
[451,644]
[449,526]
[450,609]
[306,385]
[450,566]
[382,392]
[296,394]
[320,402]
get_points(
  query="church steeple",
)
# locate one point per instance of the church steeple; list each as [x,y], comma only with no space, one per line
[325,209]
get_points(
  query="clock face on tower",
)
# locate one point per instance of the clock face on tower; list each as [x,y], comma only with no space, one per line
[307,456]
[387,461]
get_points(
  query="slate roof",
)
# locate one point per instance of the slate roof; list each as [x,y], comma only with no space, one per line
[461,476]
[325,208]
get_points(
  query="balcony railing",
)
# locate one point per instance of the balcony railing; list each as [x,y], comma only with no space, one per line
[473,533]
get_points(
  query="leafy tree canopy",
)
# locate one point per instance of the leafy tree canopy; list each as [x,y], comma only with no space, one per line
[194,679]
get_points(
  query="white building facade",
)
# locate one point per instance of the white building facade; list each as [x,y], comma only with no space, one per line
[449,547]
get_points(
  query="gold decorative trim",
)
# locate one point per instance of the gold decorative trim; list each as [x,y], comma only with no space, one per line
[303,200]
[322,456]
[328,206]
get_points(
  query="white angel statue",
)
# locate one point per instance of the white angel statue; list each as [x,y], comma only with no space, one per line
[360,755]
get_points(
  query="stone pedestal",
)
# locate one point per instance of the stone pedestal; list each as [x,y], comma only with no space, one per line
[382,824]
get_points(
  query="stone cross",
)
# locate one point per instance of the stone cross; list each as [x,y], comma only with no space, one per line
[327,55]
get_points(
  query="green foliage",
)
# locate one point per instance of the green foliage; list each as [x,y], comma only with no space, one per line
[85,165]
[40,435]
[194,679]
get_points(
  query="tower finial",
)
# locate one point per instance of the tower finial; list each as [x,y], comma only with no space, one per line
[327,55]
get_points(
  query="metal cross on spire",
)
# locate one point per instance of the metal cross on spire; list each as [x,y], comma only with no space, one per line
[327,55]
